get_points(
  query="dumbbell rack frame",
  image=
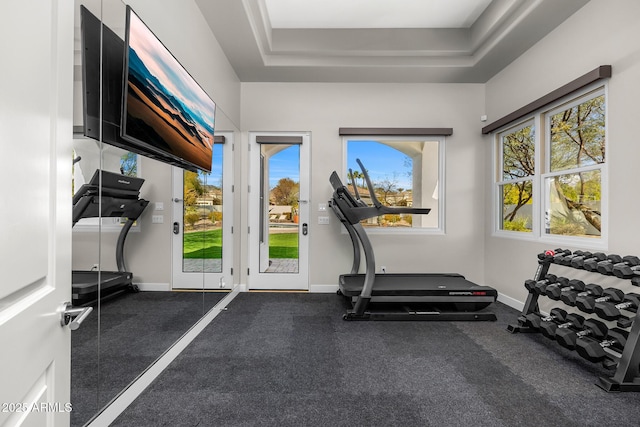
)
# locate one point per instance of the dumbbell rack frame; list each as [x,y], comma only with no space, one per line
[627,375]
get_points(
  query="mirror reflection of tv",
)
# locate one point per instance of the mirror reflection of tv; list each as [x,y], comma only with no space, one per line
[163,106]
[111,55]
[111,87]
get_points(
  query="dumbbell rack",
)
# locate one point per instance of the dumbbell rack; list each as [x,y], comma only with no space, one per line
[626,363]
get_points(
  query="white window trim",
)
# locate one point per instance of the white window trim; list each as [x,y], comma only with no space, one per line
[516,128]
[441,229]
[541,120]
[499,181]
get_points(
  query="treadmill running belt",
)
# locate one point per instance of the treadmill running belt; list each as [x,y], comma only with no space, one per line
[415,285]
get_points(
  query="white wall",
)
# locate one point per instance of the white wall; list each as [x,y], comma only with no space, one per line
[577,46]
[600,33]
[180,25]
[324,107]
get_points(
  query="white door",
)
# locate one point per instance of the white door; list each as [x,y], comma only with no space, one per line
[279,210]
[203,222]
[36,44]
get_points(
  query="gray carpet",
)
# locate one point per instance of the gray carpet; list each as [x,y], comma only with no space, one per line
[278,359]
[136,328]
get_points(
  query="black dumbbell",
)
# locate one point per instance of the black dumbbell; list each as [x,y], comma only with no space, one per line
[559,255]
[591,328]
[606,266]
[541,288]
[535,319]
[593,261]
[550,253]
[611,311]
[594,350]
[591,289]
[629,267]
[588,303]
[530,284]
[578,261]
[546,255]
[566,260]
[555,290]
[551,329]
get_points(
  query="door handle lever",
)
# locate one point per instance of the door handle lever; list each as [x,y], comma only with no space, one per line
[73,316]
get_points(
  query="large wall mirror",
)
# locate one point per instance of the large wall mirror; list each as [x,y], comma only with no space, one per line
[151,243]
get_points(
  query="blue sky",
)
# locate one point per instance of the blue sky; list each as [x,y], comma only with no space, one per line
[381,161]
[216,168]
[286,163]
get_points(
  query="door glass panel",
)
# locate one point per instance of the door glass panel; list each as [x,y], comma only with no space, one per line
[202,218]
[280,193]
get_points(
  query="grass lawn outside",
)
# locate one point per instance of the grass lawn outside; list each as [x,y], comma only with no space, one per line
[283,245]
[208,245]
[202,244]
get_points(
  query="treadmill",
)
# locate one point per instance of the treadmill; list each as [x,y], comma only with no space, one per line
[411,296]
[108,194]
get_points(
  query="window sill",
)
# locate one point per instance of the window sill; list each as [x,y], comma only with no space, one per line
[558,241]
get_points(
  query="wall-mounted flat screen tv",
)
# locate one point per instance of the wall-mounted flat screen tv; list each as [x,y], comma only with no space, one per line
[102,56]
[163,106]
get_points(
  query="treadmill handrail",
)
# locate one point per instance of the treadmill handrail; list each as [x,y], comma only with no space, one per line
[355,189]
[389,209]
[355,243]
[372,193]
[122,268]
[355,212]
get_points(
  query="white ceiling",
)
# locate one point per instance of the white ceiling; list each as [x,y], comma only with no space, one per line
[439,41]
[374,13]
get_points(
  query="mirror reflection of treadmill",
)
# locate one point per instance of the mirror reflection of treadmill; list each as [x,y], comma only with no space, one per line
[117,196]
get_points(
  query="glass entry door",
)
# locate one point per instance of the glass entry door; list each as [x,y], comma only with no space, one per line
[202,222]
[279,211]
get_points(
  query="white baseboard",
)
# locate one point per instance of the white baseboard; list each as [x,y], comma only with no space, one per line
[154,287]
[511,302]
[323,289]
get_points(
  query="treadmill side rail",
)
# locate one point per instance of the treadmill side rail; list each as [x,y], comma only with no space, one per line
[421,316]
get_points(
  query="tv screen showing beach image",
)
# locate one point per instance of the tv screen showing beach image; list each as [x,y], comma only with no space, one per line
[164,106]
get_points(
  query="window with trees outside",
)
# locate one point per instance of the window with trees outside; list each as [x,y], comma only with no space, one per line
[404,172]
[550,181]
